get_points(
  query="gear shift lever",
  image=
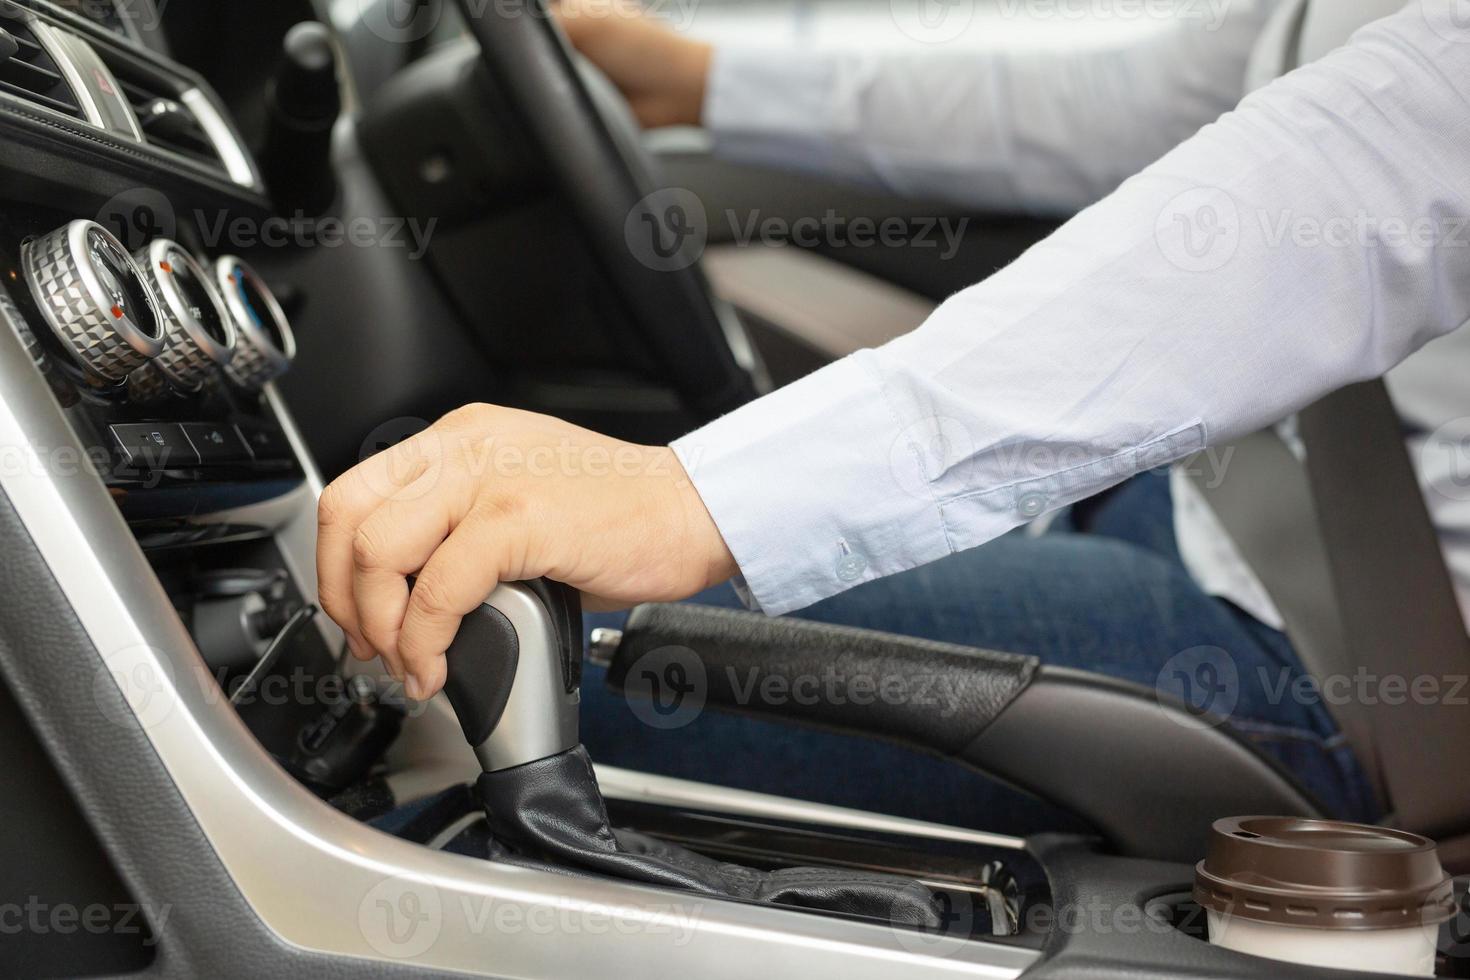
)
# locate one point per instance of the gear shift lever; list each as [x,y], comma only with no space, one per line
[514,674]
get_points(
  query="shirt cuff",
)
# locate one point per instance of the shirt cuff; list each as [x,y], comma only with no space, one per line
[817,488]
[770,106]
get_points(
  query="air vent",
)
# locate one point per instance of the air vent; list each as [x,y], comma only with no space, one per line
[31,73]
[168,123]
[171,112]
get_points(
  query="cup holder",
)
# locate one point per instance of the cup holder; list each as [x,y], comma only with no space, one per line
[1179,910]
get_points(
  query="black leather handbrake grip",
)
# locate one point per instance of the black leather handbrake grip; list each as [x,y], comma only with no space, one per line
[936,696]
[1146,772]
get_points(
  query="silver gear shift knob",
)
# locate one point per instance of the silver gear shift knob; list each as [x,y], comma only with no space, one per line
[514,673]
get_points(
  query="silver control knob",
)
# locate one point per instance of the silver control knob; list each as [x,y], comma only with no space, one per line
[94,297]
[264,344]
[199,333]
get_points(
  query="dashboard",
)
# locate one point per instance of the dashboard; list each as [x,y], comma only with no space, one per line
[158,349]
[158,359]
[89,85]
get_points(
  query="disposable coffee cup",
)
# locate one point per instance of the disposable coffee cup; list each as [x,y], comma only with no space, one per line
[1325,893]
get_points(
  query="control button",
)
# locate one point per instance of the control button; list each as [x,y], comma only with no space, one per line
[200,334]
[155,445]
[216,442]
[265,442]
[264,345]
[94,296]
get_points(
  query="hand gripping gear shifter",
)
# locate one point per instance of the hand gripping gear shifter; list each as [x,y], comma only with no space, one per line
[514,673]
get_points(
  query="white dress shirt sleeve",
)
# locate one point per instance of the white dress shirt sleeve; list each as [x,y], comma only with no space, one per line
[1016,128]
[1314,237]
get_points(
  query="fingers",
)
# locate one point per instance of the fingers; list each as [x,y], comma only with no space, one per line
[392,543]
[344,506]
[461,574]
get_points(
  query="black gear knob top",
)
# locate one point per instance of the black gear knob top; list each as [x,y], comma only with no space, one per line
[514,674]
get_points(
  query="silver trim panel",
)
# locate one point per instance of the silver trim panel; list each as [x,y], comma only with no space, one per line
[91,80]
[227,143]
[46,35]
[324,882]
[643,787]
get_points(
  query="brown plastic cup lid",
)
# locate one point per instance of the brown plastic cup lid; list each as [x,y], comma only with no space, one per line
[1322,874]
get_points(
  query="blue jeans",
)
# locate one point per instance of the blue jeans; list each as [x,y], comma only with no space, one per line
[1103,590]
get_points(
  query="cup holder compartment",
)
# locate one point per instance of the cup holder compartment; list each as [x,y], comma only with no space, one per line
[1179,910]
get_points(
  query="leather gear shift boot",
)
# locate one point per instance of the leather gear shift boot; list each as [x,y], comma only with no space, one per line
[552,811]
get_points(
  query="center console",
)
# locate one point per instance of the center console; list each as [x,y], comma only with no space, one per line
[183,540]
[166,507]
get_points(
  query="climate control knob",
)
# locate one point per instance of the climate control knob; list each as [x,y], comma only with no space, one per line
[94,297]
[199,333]
[264,344]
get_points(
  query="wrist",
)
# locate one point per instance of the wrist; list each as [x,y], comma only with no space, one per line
[692,81]
[709,558]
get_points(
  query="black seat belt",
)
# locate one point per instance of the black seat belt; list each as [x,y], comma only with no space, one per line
[1396,603]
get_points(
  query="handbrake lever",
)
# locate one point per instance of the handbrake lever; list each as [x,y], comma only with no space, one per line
[514,674]
[1066,736]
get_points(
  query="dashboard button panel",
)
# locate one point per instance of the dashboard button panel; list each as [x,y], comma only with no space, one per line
[155,445]
[216,442]
[265,442]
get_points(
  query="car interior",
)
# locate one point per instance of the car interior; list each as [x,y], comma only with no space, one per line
[243,247]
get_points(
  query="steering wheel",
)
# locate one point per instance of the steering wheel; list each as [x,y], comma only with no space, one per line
[647,238]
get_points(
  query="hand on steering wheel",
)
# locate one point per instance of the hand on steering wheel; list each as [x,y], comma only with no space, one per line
[660,73]
[610,186]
